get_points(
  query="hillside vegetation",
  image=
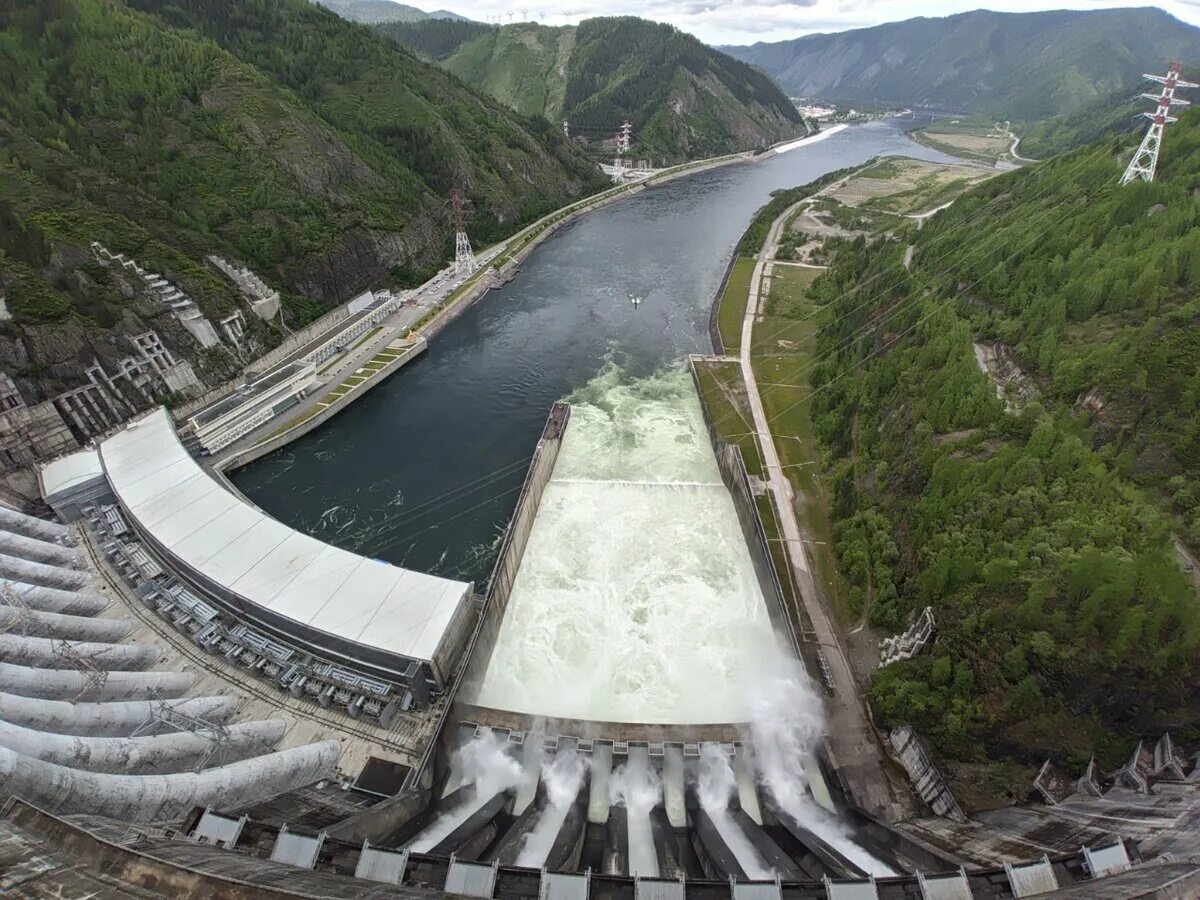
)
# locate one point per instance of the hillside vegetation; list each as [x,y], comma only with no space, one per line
[1019,66]
[684,100]
[268,131]
[1038,526]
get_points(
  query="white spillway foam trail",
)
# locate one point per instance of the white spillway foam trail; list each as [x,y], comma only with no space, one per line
[488,769]
[786,728]
[814,139]
[636,600]
[562,777]
[635,786]
[715,784]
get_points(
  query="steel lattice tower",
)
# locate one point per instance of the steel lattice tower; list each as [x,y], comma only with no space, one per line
[464,256]
[1145,161]
[623,137]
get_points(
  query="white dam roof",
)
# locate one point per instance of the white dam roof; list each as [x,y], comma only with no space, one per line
[71,471]
[232,543]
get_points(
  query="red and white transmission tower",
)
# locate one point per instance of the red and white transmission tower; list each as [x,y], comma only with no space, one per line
[1145,160]
[623,137]
[464,257]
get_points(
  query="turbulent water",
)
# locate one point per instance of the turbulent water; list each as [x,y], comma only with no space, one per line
[636,600]
[424,470]
[715,787]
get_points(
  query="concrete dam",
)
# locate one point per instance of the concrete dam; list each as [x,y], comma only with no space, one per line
[635,655]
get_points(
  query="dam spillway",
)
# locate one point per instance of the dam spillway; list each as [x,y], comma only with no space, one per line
[636,599]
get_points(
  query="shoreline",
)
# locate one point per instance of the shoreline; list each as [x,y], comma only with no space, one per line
[505,267]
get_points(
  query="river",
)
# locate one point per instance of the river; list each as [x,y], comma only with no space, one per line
[424,470]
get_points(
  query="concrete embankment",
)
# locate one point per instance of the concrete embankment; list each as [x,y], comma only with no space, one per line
[385,817]
[273,442]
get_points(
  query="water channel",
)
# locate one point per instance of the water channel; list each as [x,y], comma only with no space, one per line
[424,470]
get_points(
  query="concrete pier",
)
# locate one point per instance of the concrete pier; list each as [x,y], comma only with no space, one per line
[159,754]
[165,798]
[48,653]
[37,550]
[71,628]
[72,684]
[55,600]
[14,568]
[31,526]
[112,719]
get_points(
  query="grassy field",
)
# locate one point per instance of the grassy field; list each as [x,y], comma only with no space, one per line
[733,304]
[782,357]
[968,141]
[724,397]
[723,394]
[904,186]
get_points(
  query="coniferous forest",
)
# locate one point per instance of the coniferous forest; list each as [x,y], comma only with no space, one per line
[1039,525]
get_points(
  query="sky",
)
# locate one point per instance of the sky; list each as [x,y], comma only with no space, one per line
[748,21]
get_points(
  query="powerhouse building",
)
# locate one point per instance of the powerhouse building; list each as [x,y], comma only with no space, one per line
[359,615]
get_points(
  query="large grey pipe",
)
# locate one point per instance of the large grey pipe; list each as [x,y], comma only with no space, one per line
[48,653]
[159,754]
[73,685]
[16,569]
[165,798]
[71,628]
[116,719]
[39,551]
[30,526]
[54,599]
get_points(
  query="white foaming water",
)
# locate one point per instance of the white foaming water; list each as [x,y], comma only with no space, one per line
[562,777]
[786,727]
[715,784]
[636,787]
[488,769]
[636,600]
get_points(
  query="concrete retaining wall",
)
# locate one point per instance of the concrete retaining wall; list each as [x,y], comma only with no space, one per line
[516,538]
[714,309]
[385,817]
[273,443]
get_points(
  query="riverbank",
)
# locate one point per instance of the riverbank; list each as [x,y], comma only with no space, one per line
[854,749]
[499,265]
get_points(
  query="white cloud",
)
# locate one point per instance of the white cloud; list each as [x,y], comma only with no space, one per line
[747,21]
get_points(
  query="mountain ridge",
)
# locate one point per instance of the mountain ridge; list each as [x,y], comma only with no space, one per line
[1020,66]
[372,12]
[271,133]
[683,99]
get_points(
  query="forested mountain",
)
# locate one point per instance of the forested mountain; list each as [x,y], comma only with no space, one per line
[266,131]
[1019,66]
[1038,527]
[1115,113]
[684,100]
[370,12]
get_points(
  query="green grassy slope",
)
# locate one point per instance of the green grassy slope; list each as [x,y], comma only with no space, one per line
[1023,67]
[683,98]
[1041,537]
[269,131]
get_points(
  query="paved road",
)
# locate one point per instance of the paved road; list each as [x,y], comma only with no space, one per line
[852,743]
